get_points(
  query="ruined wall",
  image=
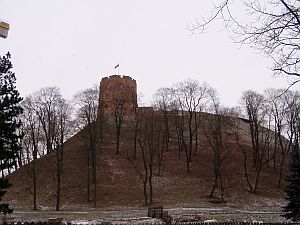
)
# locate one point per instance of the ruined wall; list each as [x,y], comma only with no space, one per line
[115,90]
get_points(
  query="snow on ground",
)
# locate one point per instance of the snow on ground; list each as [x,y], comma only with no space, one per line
[130,216]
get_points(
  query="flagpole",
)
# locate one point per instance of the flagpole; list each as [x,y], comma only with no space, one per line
[117,67]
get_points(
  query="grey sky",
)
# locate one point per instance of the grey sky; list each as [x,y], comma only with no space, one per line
[72,44]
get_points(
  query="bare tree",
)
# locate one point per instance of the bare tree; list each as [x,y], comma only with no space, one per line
[62,133]
[119,117]
[90,122]
[254,105]
[135,138]
[180,126]
[160,141]
[284,107]
[45,101]
[148,140]
[289,130]
[146,146]
[135,119]
[239,142]
[277,108]
[32,132]
[47,117]
[273,27]
[163,99]
[217,129]
[191,97]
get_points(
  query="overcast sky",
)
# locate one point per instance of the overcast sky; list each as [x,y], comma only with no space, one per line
[72,44]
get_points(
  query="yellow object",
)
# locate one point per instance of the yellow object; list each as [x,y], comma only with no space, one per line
[4,27]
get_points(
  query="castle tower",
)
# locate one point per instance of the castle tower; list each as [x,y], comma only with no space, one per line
[116,90]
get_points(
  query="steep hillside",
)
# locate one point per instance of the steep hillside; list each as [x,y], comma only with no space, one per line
[119,184]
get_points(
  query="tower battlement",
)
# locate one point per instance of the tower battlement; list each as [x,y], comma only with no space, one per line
[125,77]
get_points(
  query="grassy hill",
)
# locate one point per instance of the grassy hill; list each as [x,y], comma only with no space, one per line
[119,185]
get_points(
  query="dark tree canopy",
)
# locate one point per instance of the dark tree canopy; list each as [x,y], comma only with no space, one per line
[293,188]
[9,122]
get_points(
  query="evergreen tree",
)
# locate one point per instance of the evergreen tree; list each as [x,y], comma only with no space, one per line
[9,124]
[293,188]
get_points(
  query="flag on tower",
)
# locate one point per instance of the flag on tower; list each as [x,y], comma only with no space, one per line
[117,66]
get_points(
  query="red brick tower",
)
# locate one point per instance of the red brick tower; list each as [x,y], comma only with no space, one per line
[116,90]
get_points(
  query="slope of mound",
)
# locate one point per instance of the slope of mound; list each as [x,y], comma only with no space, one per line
[119,183]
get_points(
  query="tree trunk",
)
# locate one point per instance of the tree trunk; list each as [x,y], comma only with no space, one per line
[257,148]
[95,176]
[211,195]
[35,150]
[257,178]
[190,141]
[135,140]
[58,179]
[167,130]
[187,156]
[118,141]
[88,175]
[281,169]
[246,172]
[179,141]
[196,134]
[95,188]
[145,192]
[150,185]
[275,149]
[145,178]
[118,134]
[34,184]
